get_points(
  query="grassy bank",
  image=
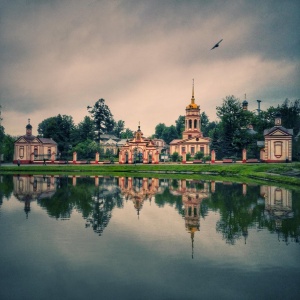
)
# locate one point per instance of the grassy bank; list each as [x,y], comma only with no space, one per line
[281,173]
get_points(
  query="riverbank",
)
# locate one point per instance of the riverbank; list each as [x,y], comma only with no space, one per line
[285,173]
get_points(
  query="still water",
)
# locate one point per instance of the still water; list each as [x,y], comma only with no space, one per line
[146,238]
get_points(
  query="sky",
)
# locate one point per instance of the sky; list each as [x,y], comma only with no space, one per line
[59,56]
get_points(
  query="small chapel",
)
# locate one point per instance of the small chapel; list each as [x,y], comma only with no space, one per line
[192,138]
[31,149]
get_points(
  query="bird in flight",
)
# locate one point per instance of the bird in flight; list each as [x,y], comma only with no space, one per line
[216,45]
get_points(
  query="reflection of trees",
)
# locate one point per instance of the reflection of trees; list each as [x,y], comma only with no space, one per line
[238,212]
[6,187]
[105,197]
[94,202]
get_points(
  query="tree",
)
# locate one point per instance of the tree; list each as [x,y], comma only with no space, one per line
[60,129]
[169,134]
[233,125]
[8,147]
[127,134]
[2,135]
[159,130]
[85,130]
[118,128]
[102,117]
[180,125]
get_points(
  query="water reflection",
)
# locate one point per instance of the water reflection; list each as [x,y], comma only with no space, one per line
[240,207]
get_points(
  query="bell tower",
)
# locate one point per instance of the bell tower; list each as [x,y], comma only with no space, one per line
[192,119]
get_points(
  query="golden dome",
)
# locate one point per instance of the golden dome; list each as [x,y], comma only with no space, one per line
[192,105]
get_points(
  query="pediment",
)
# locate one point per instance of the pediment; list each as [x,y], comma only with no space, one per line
[21,140]
[278,132]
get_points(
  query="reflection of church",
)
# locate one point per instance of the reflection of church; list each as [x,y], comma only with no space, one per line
[31,188]
[278,204]
[138,190]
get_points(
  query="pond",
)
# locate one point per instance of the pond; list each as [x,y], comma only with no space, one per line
[71,237]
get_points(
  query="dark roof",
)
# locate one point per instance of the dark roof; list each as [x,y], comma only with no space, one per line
[47,141]
[283,129]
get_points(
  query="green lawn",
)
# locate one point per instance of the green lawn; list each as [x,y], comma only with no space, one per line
[285,173]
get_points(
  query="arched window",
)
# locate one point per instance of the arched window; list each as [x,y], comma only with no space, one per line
[195,124]
[190,124]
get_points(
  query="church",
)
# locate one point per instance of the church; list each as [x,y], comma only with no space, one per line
[192,138]
[31,149]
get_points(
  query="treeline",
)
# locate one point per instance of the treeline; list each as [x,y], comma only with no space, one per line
[229,134]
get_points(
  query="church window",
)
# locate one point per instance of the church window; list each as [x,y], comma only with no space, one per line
[35,151]
[21,152]
[190,211]
[278,149]
[190,124]
[192,150]
[195,124]
[202,149]
[49,152]
[183,149]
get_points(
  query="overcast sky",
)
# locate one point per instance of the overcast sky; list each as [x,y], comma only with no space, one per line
[59,56]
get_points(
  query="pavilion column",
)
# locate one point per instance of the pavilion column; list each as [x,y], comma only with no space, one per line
[213,156]
[145,157]
[52,157]
[157,157]
[74,157]
[97,157]
[244,155]
[121,157]
[184,157]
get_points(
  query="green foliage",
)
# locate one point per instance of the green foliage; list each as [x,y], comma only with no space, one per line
[102,117]
[199,155]
[8,148]
[180,126]
[127,134]
[85,130]
[60,129]
[86,149]
[118,128]
[188,156]
[175,157]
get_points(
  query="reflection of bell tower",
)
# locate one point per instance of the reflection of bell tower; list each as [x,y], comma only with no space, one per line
[192,119]
[191,199]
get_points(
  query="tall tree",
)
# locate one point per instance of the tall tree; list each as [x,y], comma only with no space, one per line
[118,128]
[127,134]
[85,130]
[60,129]
[102,117]
[234,123]
[169,134]
[180,125]
[159,129]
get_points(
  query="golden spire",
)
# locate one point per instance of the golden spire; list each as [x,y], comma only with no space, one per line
[192,104]
[193,98]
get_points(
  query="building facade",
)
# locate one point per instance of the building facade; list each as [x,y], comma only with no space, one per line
[139,150]
[29,148]
[278,143]
[192,138]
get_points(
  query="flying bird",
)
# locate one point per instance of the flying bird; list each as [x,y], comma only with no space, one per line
[217,44]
